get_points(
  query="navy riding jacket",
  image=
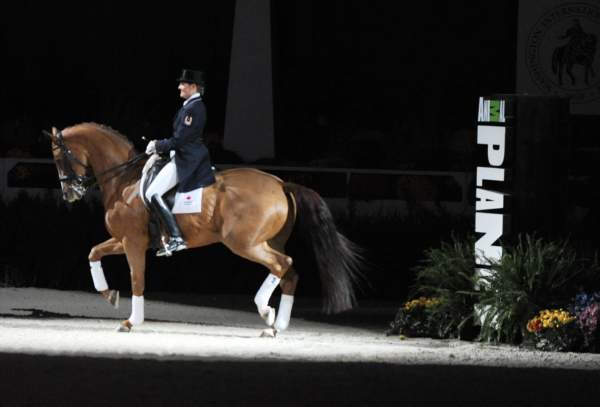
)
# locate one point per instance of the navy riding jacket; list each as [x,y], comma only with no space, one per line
[192,159]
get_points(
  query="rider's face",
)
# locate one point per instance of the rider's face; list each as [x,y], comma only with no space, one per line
[186,90]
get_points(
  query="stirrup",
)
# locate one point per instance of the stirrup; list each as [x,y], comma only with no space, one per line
[175,244]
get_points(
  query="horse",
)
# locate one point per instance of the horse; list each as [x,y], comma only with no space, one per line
[251,212]
[580,51]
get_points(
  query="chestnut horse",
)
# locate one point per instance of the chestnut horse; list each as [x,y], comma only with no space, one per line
[251,212]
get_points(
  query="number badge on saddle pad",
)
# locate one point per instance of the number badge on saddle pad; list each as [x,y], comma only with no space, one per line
[188,202]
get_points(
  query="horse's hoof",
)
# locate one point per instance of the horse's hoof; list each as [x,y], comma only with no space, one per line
[268,333]
[125,326]
[269,318]
[113,298]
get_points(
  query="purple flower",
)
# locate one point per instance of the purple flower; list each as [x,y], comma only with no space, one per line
[584,300]
[588,318]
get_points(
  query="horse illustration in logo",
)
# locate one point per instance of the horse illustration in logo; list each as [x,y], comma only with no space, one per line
[579,50]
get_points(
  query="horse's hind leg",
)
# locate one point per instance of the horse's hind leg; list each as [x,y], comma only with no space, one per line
[289,280]
[288,288]
[277,262]
[110,247]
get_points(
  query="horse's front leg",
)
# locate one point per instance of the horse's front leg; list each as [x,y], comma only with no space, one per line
[135,250]
[110,247]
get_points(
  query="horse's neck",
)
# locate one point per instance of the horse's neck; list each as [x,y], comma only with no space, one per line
[104,156]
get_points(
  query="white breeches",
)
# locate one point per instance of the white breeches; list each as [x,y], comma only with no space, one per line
[165,180]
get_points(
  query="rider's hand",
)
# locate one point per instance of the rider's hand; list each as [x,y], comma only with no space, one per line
[151,147]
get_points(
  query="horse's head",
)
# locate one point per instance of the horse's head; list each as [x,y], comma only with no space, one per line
[72,163]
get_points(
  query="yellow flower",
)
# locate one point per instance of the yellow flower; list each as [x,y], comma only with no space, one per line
[551,319]
[421,302]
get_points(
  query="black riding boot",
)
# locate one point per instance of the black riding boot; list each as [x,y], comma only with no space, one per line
[176,241]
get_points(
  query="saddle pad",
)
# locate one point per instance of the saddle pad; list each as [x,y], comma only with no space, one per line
[188,202]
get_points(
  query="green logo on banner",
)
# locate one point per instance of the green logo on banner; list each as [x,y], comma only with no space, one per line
[491,110]
[494,110]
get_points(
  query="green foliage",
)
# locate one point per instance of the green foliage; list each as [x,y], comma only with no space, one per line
[532,275]
[446,274]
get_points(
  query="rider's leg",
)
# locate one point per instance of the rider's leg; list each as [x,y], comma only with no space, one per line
[176,241]
[165,180]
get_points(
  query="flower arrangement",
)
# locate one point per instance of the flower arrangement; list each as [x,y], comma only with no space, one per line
[554,330]
[417,318]
[532,273]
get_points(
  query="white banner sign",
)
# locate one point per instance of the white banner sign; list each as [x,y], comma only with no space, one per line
[558,51]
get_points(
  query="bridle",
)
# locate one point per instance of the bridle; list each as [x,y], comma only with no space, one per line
[81,183]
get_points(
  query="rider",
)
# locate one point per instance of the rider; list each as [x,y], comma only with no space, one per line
[190,163]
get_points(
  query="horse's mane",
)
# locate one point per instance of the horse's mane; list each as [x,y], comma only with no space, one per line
[112,131]
[106,129]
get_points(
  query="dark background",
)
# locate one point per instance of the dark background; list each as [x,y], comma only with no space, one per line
[358,84]
[110,62]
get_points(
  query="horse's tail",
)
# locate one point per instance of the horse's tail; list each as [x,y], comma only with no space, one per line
[337,258]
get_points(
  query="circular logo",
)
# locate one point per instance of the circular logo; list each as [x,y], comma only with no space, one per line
[562,50]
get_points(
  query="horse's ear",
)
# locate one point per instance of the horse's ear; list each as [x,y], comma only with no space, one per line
[47,134]
[51,136]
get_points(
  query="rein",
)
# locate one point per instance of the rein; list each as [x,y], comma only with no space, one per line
[87,181]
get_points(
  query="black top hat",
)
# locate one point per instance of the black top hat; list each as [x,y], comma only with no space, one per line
[190,76]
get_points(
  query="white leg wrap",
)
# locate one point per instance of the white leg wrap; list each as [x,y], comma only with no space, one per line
[284,312]
[264,294]
[98,276]
[137,310]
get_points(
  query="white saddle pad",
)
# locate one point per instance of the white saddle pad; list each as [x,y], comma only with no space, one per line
[188,202]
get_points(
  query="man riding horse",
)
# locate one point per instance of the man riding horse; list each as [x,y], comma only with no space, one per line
[251,212]
[190,161]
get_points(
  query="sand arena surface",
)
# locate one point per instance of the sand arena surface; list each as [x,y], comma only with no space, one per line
[50,334]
